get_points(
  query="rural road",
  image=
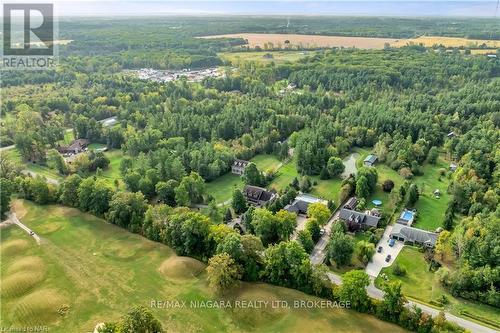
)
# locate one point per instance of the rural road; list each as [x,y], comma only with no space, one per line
[318,253]
[374,292]
[34,174]
[13,218]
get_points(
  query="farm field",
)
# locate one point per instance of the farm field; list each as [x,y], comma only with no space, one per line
[423,285]
[87,271]
[278,57]
[307,41]
[272,41]
[430,41]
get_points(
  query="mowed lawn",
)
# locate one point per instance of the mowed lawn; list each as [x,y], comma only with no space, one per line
[265,162]
[42,170]
[278,57]
[222,188]
[430,210]
[87,271]
[421,284]
[112,173]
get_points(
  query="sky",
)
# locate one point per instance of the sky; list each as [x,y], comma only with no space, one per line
[406,8]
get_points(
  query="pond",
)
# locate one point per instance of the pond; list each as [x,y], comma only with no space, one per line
[350,165]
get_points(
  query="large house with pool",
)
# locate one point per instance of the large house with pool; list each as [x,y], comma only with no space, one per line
[414,235]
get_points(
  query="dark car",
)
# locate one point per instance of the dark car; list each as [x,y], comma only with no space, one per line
[388,258]
[379,249]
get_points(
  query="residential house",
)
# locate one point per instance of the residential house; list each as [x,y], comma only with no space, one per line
[75,147]
[356,220]
[239,166]
[370,160]
[351,203]
[301,203]
[414,235]
[258,196]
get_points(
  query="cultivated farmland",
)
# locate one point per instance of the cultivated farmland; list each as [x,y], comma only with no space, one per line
[308,41]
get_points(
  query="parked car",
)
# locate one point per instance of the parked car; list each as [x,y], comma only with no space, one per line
[388,258]
[392,242]
[322,232]
[379,249]
[32,233]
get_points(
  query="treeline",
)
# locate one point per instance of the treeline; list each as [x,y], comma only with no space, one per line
[230,256]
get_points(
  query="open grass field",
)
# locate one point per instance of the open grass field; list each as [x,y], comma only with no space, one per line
[424,286]
[265,162]
[430,41]
[430,209]
[278,57]
[87,271]
[42,170]
[112,173]
[222,188]
[307,41]
[285,176]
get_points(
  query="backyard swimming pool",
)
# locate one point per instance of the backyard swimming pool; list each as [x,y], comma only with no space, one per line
[407,215]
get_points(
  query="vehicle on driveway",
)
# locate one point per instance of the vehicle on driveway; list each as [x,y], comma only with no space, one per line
[388,258]
[322,232]
[32,233]
[392,242]
[379,249]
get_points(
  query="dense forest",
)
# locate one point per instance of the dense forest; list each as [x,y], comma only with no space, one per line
[176,136]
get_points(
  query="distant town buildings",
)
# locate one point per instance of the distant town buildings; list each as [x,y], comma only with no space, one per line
[171,75]
[239,166]
[258,196]
[370,160]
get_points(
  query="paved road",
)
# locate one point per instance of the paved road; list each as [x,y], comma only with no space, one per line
[15,220]
[379,294]
[378,262]
[318,254]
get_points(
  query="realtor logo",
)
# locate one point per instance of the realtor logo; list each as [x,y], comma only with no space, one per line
[28,36]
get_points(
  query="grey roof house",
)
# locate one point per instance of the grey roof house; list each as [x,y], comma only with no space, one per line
[301,203]
[258,196]
[370,160]
[414,235]
[356,220]
[239,166]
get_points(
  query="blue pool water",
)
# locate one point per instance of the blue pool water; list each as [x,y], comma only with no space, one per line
[407,215]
